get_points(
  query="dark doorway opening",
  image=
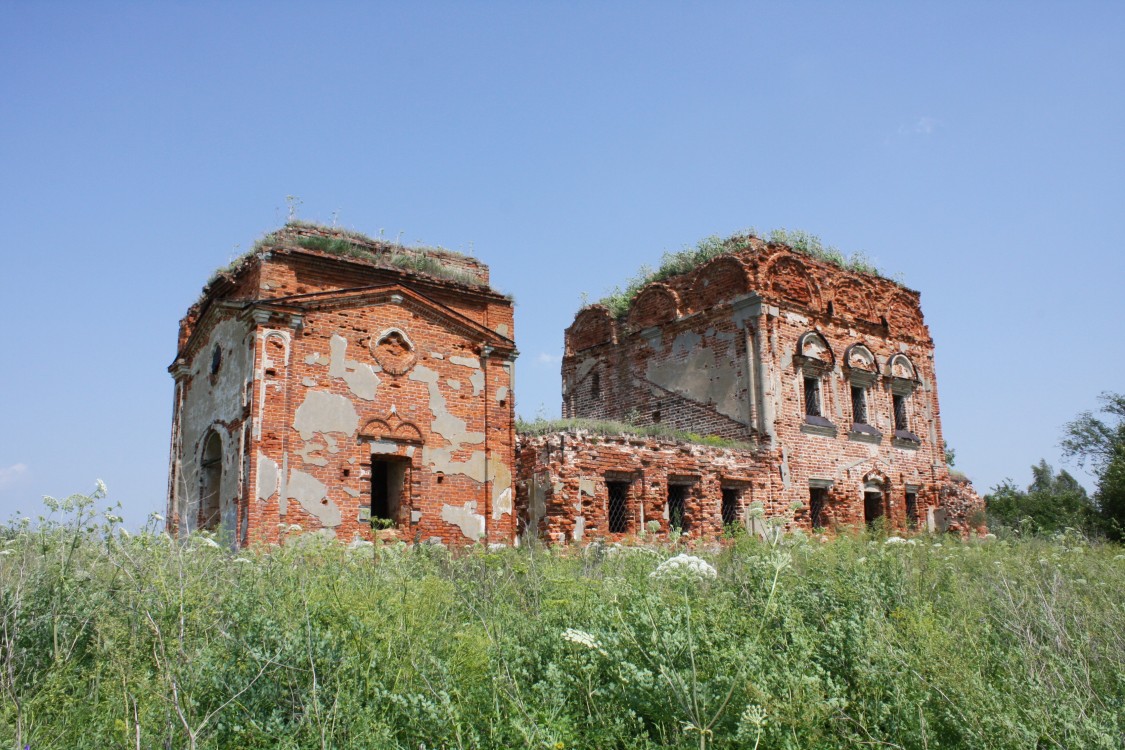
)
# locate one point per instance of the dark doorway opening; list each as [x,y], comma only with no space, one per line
[677,500]
[731,496]
[911,510]
[618,510]
[872,506]
[817,496]
[388,480]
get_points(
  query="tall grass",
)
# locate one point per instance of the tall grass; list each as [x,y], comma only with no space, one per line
[117,641]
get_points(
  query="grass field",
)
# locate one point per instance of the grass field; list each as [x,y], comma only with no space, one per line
[124,641]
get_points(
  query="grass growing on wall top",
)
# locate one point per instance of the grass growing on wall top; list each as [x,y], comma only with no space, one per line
[690,258]
[611,428]
[115,640]
[350,244]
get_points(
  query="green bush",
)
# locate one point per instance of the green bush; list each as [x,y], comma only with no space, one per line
[115,640]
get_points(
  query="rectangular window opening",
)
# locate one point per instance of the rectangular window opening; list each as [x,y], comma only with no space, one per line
[731,496]
[618,507]
[859,405]
[817,496]
[812,397]
[388,479]
[677,501]
[911,510]
[900,412]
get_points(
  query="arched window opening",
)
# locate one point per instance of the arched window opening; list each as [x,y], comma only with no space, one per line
[210,481]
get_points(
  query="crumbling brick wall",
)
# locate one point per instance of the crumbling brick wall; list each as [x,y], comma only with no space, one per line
[563,492]
[770,346]
[348,388]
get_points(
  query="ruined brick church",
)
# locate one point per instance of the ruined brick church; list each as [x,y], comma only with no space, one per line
[332,383]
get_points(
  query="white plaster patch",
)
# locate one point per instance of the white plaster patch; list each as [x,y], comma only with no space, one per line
[351,491]
[309,382]
[445,424]
[501,393]
[415,516]
[454,384]
[502,504]
[360,377]
[477,379]
[308,449]
[437,355]
[384,446]
[322,411]
[471,362]
[586,486]
[502,329]
[793,317]
[584,368]
[311,493]
[316,359]
[465,518]
[579,528]
[268,477]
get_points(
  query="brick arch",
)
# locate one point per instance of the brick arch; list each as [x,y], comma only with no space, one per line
[902,313]
[591,327]
[814,348]
[655,304]
[899,366]
[381,429]
[788,278]
[852,298]
[718,280]
[859,357]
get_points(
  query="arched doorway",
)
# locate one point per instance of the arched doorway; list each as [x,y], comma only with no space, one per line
[873,502]
[210,481]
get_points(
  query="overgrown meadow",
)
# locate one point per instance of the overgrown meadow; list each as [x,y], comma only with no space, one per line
[111,640]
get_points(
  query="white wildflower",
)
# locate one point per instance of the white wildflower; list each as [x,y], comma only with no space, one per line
[937,545]
[6,552]
[684,565]
[241,560]
[1119,557]
[895,540]
[582,638]
[100,489]
[861,560]
[988,537]
[156,517]
[295,527]
[209,542]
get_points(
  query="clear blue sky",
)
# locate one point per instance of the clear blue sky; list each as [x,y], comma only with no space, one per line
[977,149]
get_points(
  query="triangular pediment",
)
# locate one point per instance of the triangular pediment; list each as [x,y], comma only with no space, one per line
[393,294]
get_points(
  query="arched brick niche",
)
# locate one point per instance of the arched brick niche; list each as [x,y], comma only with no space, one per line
[655,304]
[851,299]
[903,314]
[591,327]
[717,281]
[787,278]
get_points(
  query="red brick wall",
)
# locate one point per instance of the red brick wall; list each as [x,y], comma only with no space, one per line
[367,364]
[716,351]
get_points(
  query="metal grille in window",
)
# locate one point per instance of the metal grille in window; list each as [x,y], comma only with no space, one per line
[618,512]
[677,498]
[911,510]
[812,397]
[900,412]
[730,504]
[817,496]
[859,405]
